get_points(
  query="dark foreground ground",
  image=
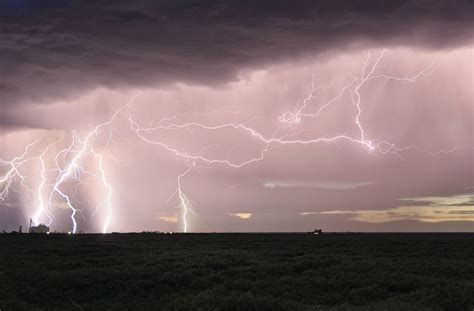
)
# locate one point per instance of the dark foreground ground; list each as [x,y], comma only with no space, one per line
[237,272]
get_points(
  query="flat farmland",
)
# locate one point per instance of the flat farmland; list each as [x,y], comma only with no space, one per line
[241,271]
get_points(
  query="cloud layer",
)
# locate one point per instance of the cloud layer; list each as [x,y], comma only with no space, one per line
[51,50]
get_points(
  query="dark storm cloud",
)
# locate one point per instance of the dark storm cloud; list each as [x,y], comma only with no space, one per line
[51,50]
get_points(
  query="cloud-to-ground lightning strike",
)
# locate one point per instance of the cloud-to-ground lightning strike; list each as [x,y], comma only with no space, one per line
[13,171]
[68,161]
[108,201]
[185,204]
[40,191]
[74,166]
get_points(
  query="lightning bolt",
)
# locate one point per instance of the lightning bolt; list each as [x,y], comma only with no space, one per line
[41,203]
[109,192]
[185,204]
[13,172]
[288,120]
[73,167]
[69,164]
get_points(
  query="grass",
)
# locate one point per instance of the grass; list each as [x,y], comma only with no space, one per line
[237,272]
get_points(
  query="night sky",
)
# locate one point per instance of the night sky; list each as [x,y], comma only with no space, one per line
[237,115]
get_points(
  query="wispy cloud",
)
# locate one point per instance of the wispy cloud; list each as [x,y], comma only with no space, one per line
[330,185]
[455,200]
[241,215]
[168,218]
[424,209]
[309,213]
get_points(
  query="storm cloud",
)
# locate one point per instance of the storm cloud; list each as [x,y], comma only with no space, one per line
[67,66]
[52,50]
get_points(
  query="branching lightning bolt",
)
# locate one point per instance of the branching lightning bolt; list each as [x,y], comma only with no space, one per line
[68,161]
[13,171]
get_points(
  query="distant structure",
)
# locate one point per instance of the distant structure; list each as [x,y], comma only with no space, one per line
[316,231]
[38,229]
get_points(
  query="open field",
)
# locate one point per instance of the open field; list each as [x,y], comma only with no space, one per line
[237,272]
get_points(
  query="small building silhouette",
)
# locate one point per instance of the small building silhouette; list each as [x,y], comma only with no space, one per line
[316,231]
[41,228]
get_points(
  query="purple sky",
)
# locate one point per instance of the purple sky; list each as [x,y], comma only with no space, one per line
[193,72]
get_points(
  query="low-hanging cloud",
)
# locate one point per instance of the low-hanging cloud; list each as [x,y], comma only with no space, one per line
[424,209]
[329,185]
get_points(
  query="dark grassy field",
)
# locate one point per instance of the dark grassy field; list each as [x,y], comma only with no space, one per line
[237,272]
